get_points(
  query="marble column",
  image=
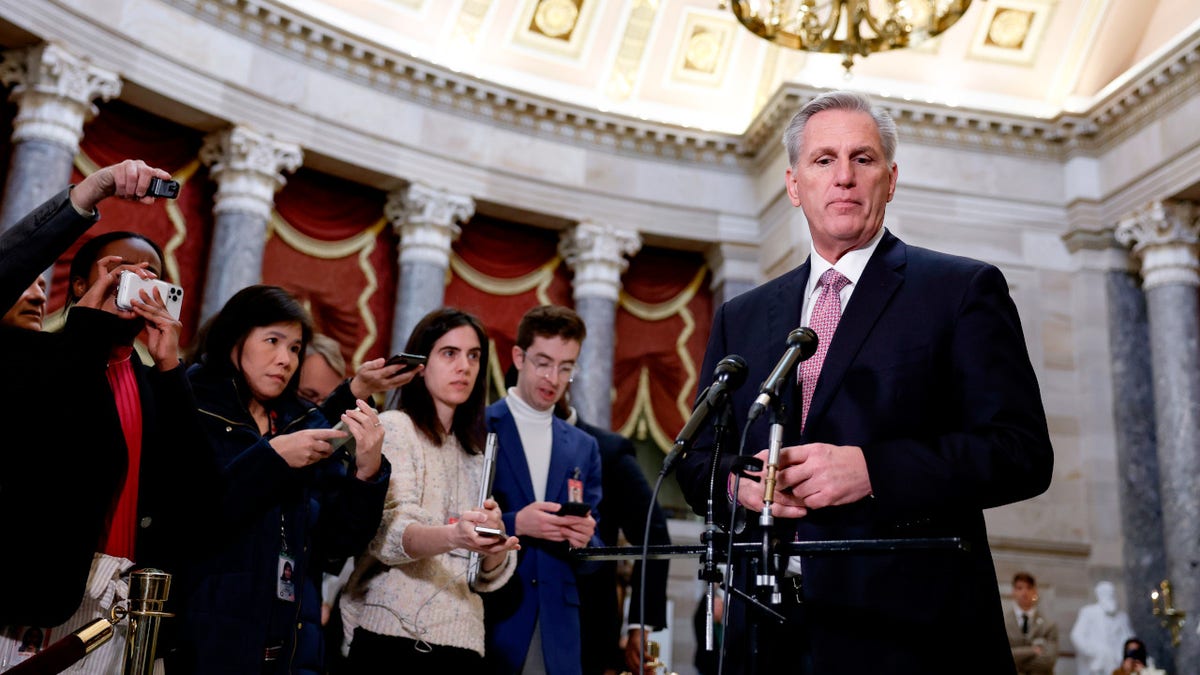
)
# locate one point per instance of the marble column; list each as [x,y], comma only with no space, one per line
[54,91]
[1143,549]
[735,270]
[426,221]
[247,167]
[1165,237]
[596,254]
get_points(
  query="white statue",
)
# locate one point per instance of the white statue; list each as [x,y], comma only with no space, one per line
[1100,632]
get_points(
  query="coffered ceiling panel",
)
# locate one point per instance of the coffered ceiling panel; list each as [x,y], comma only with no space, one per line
[686,62]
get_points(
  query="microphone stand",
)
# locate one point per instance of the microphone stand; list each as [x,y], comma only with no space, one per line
[708,560]
[768,581]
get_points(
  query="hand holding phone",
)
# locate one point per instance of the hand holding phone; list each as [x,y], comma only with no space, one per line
[580,509]
[130,285]
[409,361]
[346,441]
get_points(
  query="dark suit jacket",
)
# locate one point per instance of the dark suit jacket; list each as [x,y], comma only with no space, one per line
[928,373]
[63,465]
[623,509]
[33,243]
[544,586]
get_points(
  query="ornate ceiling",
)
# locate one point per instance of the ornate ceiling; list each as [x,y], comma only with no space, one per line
[686,62]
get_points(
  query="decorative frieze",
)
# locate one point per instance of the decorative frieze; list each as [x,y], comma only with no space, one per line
[387,70]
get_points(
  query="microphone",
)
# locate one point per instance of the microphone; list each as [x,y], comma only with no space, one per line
[801,343]
[729,374]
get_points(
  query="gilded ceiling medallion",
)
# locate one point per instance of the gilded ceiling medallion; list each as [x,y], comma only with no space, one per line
[1009,28]
[703,50]
[556,18]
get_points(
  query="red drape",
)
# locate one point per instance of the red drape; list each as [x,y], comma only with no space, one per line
[351,298]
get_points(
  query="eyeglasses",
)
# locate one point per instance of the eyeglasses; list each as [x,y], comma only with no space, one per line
[543,367]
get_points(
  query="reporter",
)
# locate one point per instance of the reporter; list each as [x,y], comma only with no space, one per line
[103,477]
[288,498]
[408,603]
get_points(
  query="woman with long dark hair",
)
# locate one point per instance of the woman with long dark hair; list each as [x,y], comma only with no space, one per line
[289,501]
[408,603]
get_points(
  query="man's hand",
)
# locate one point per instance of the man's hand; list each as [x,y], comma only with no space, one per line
[634,654]
[128,180]
[810,476]
[374,377]
[539,519]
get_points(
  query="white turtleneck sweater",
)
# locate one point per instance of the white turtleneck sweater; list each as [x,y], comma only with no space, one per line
[535,429]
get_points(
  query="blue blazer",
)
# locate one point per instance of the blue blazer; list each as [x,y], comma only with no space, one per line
[544,585]
[928,373]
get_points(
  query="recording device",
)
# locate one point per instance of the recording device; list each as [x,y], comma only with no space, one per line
[801,344]
[129,285]
[167,189]
[485,489]
[728,376]
[410,361]
[573,509]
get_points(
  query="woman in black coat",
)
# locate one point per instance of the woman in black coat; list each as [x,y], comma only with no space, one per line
[288,500]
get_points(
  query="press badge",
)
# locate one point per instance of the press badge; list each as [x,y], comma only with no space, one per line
[285,587]
[575,487]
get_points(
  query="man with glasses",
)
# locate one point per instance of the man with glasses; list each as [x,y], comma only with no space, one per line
[542,463]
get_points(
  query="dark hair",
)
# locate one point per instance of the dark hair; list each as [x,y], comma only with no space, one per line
[550,321]
[467,425]
[89,253]
[1026,577]
[250,308]
[1134,649]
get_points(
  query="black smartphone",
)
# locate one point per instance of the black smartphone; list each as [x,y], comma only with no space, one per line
[488,531]
[166,189]
[410,361]
[574,509]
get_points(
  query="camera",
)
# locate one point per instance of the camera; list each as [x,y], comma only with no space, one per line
[130,284]
[167,189]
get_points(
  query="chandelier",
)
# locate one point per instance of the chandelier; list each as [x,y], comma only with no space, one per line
[847,27]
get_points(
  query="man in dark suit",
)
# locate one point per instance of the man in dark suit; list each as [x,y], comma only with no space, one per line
[623,509]
[918,410]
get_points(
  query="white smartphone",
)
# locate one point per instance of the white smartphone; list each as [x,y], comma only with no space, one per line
[347,440]
[130,283]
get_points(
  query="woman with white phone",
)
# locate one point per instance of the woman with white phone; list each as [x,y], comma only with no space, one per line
[408,604]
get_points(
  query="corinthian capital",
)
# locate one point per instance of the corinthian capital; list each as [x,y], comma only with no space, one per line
[596,253]
[426,220]
[54,90]
[1165,237]
[248,168]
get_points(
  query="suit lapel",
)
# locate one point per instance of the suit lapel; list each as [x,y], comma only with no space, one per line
[512,453]
[880,280]
[561,465]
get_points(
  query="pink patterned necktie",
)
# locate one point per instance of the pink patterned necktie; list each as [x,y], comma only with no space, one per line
[825,316]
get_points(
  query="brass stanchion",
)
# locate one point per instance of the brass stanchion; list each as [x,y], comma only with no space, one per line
[148,591]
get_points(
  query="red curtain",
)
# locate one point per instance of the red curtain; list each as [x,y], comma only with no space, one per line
[332,249]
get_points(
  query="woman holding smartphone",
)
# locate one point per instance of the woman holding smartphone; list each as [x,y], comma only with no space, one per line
[289,504]
[408,603]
